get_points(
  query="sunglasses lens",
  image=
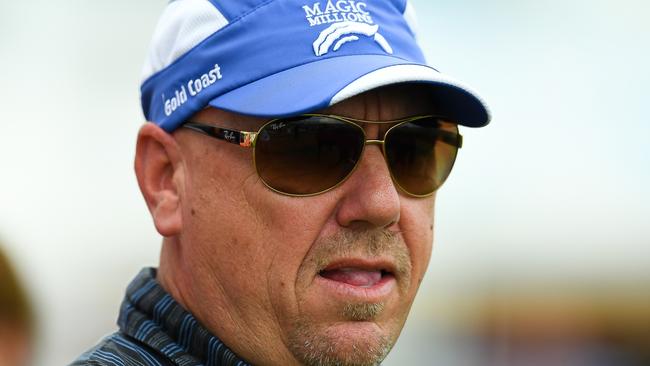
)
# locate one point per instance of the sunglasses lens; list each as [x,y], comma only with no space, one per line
[307,155]
[421,154]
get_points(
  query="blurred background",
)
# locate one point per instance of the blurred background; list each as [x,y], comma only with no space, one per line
[542,251]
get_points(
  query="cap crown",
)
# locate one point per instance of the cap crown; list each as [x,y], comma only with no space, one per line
[202,49]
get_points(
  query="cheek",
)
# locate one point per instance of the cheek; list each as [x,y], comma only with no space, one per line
[260,259]
[290,226]
[416,224]
[213,205]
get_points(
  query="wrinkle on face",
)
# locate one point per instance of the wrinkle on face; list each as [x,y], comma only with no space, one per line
[250,182]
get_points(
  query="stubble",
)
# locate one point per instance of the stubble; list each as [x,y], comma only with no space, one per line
[315,344]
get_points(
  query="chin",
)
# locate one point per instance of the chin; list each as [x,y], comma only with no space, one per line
[347,343]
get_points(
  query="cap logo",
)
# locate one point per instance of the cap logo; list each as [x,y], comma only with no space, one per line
[348,20]
[194,86]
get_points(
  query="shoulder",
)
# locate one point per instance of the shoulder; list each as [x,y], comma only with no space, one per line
[120,350]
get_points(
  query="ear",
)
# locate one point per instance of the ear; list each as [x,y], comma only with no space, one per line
[159,170]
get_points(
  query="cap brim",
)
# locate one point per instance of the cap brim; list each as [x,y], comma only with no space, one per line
[319,84]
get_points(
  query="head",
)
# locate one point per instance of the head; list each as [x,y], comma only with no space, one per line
[322,279]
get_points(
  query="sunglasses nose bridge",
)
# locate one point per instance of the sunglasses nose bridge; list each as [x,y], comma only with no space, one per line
[380,143]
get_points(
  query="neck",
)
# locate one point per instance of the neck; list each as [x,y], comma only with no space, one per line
[167,274]
[250,340]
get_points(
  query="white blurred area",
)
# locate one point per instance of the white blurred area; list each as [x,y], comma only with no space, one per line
[550,201]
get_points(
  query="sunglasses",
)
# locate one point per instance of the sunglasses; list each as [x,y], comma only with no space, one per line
[311,154]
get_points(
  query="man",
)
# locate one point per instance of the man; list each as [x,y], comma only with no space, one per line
[291,162]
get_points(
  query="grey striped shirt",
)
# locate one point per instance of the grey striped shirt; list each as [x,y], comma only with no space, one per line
[155,330]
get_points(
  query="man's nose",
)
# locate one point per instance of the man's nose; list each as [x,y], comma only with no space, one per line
[370,197]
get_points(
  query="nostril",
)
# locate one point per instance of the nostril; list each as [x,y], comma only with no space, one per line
[393,223]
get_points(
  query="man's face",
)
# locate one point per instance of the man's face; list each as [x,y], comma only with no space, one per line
[327,279]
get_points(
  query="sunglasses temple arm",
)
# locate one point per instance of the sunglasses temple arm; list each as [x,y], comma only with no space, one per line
[241,138]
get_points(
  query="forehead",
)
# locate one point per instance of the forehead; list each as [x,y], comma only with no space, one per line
[386,103]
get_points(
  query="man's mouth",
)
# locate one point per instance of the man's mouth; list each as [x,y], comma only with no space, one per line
[360,273]
[369,281]
[365,278]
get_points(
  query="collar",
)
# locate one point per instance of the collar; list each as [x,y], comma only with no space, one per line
[150,315]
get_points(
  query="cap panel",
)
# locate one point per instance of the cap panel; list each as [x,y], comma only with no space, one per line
[183,25]
[274,37]
[395,29]
[401,5]
[411,19]
[233,9]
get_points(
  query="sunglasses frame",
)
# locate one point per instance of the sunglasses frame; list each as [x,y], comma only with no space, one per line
[249,139]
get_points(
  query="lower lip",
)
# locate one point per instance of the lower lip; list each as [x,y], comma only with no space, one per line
[377,292]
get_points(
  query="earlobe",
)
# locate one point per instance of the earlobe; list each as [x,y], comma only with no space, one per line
[159,171]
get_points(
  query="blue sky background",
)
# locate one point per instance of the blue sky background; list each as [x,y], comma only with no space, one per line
[553,191]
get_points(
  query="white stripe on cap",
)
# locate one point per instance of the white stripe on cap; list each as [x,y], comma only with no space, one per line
[411,18]
[183,25]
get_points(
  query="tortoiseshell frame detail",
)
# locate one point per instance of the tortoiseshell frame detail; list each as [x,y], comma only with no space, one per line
[241,138]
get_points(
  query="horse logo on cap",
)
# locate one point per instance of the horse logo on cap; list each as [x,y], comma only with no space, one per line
[348,21]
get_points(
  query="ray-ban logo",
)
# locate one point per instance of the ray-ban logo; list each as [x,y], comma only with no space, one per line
[348,21]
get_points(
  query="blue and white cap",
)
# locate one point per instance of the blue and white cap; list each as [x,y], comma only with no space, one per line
[276,58]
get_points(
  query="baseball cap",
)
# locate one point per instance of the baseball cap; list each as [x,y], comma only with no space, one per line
[277,58]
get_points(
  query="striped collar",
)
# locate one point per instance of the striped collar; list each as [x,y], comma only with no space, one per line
[150,315]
